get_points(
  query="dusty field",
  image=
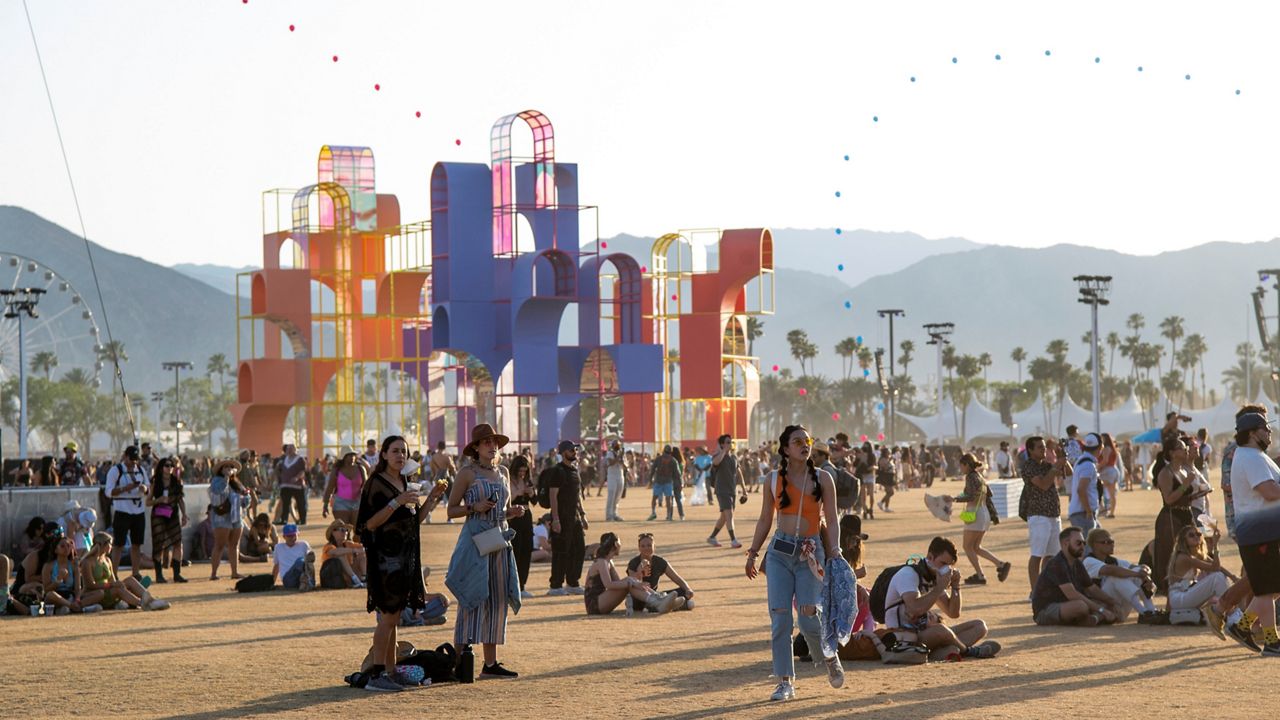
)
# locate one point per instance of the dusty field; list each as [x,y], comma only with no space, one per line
[218,654]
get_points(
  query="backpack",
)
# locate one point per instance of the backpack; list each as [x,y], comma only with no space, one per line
[255,583]
[544,487]
[880,590]
[436,664]
[846,484]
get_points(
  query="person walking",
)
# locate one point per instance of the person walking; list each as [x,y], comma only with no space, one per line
[343,488]
[1083,487]
[291,479]
[799,496]
[485,585]
[387,523]
[726,481]
[613,462]
[979,515]
[568,522]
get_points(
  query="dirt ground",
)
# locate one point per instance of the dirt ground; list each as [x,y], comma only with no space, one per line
[218,654]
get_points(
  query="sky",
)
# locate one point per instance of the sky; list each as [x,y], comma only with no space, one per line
[178,115]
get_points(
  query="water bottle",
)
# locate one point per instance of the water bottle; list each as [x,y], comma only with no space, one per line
[466,665]
[631,605]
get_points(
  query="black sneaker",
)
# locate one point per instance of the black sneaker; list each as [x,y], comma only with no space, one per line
[1271,649]
[1244,637]
[1155,617]
[497,672]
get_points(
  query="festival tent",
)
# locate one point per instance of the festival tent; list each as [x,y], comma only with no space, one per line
[945,424]
[1073,414]
[982,423]
[1128,419]
[1032,420]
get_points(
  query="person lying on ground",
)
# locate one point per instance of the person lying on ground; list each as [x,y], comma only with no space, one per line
[1064,593]
[649,568]
[1129,585]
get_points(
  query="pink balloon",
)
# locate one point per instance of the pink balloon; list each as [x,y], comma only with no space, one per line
[803,391]
[604,245]
[335,58]
[880,436]
[644,268]
[864,438]
[835,416]
[775,368]
[675,297]
[377,86]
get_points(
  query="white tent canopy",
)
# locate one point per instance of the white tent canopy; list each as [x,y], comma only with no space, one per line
[980,422]
[1128,419]
[944,425]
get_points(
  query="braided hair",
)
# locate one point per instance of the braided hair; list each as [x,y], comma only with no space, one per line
[783,498]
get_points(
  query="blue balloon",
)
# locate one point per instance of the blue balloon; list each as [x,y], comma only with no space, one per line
[1237,92]
[837,193]
[997,56]
[858,339]
[840,267]
[913,78]
[1188,77]
[1097,60]
[865,372]
[1046,53]
[838,231]
[847,305]
[1139,68]
[875,118]
[879,406]
[846,158]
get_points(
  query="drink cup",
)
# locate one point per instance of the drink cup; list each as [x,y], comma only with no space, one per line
[35,609]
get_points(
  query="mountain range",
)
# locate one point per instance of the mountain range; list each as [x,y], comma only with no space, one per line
[999,297]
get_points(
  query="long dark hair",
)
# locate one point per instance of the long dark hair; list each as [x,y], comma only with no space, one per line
[386,445]
[784,498]
[608,542]
[174,479]
[517,463]
[1165,456]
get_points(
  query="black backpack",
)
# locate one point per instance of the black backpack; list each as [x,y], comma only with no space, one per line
[255,583]
[544,487]
[880,590]
[436,664]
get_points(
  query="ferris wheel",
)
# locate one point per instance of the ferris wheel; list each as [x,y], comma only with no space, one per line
[62,324]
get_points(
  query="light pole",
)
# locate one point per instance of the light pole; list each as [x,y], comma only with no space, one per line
[938,333]
[19,302]
[893,387]
[176,366]
[157,397]
[1263,276]
[1093,292]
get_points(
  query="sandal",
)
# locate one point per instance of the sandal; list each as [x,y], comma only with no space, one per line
[975,580]
[1002,573]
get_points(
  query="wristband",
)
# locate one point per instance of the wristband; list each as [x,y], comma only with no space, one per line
[393,504]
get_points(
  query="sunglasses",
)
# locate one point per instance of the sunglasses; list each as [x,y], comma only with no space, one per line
[645,536]
[806,441]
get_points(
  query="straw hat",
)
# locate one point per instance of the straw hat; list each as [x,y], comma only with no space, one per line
[233,464]
[939,506]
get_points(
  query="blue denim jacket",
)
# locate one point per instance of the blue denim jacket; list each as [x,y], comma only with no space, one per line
[839,604]
[468,574]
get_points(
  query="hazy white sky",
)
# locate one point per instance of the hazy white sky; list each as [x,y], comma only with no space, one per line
[681,114]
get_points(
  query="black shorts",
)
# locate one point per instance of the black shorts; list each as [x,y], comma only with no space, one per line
[1262,566]
[726,502]
[128,525]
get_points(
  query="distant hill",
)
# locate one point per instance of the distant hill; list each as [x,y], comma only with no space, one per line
[158,313]
[219,277]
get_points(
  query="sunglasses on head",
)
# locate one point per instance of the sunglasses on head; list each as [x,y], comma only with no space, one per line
[645,536]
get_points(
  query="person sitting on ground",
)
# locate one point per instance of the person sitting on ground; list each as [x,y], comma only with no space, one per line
[63,583]
[605,590]
[433,613]
[917,589]
[342,561]
[202,537]
[116,594]
[32,538]
[259,540]
[1196,575]
[1128,584]
[27,589]
[1064,594]
[542,540]
[290,558]
[650,568]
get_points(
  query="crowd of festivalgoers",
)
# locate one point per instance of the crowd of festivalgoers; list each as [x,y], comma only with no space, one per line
[519,508]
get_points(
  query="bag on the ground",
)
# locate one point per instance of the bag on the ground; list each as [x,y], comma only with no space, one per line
[436,664]
[544,487]
[880,590]
[255,583]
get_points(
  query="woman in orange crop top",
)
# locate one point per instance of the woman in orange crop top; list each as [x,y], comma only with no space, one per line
[804,500]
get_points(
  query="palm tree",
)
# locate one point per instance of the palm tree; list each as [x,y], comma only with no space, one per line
[1171,383]
[1240,378]
[985,361]
[1195,347]
[1113,342]
[44,361]
[865,356]
[78,376]
[1171,328]
[1135,323]
[797,340]
[949,360]
[755,329]
[908,349]
[1019,356]
[218,366]
[846,349]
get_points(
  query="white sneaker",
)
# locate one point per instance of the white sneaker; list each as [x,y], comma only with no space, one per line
[525,594]
[735,544]
[557,591]
[784,691]
[835,672]
[576,590]
[157,604]
[356,582]
[713,542]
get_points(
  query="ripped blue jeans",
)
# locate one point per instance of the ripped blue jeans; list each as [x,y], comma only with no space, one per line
[791,581]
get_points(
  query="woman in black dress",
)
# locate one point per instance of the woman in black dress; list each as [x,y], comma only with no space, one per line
[168,517]
[522,493]
[388,525]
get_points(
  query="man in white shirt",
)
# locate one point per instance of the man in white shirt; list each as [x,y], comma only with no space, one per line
[914,592]
[1255,489]
[614,478]
[1130,585]
[1004,463]
[1083,487]
[370,456]
[127,486]
[289,558]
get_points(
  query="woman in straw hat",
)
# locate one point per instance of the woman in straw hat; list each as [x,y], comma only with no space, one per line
[485,585]
[228,498]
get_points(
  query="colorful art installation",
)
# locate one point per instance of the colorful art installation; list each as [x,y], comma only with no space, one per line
[359,326]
